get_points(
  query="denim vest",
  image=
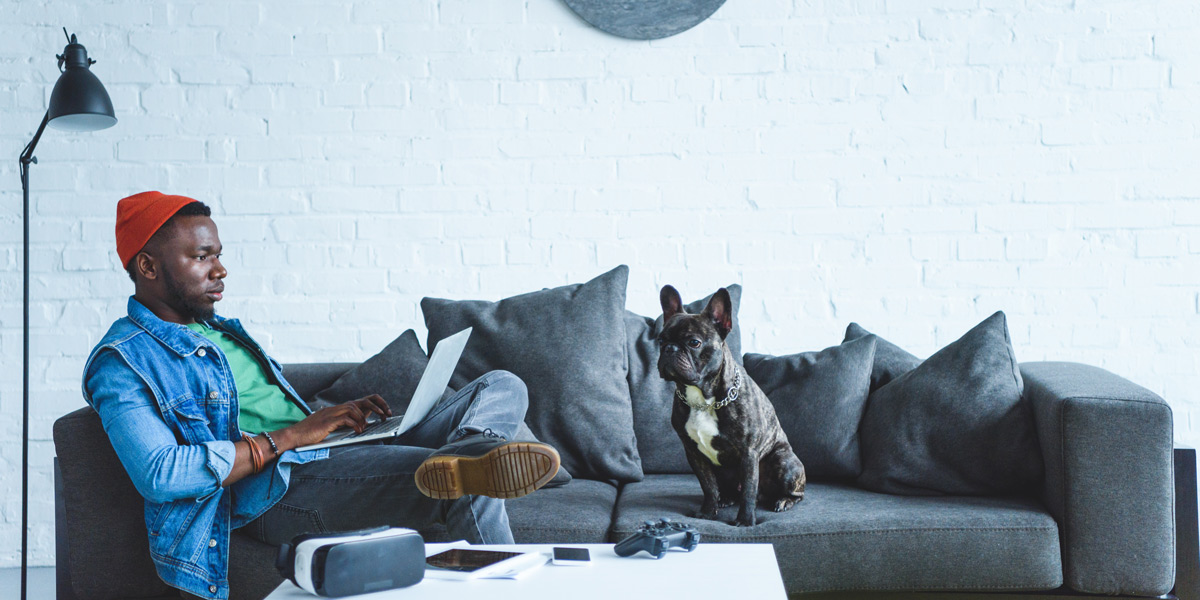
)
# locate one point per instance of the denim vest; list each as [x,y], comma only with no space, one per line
[167,399]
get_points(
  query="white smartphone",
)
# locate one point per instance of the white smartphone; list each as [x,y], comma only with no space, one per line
[571,556]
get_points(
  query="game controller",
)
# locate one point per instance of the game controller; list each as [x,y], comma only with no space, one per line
[657,538]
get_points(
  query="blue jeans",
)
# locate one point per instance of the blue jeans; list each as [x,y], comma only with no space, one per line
[368,485]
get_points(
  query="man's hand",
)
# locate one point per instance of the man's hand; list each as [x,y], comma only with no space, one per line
[316,426]
[311,430]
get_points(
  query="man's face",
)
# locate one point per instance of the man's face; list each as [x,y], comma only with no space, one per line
[191,268]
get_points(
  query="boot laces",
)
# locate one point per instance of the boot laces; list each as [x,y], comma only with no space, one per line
[492,434]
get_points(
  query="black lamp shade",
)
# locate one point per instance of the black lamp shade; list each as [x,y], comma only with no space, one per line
[79,101]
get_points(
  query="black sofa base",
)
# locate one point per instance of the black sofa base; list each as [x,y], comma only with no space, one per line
[1059,594]
[1187,553]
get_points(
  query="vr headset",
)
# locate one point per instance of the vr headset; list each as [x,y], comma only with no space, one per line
[355,562]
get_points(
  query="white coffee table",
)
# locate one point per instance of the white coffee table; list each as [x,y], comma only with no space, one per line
[717,571]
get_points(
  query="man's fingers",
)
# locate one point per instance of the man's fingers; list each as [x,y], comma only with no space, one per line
[355,416]
[379,405]
[382,404]
[374,404]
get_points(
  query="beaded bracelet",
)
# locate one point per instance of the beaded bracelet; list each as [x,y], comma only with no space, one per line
[270,439]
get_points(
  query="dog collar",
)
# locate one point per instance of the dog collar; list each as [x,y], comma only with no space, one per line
[730,396]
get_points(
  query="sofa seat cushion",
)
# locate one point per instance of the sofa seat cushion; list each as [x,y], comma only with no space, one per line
[844,538]
[577,513]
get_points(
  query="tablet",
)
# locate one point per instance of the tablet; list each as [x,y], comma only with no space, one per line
[464,563]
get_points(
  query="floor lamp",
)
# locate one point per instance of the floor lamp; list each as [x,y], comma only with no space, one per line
[79,102]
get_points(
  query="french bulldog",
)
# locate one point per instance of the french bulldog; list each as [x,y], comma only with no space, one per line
[729,430]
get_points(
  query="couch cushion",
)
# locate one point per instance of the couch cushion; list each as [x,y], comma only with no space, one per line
[568,345]
[579,513]
[891,361]
[819,399]
[844,538]
[956,424]
[657,443]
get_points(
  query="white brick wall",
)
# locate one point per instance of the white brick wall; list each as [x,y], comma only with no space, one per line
[912,166]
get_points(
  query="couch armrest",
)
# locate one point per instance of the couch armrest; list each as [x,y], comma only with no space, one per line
[1187,526]
[1107,445]
[108,553]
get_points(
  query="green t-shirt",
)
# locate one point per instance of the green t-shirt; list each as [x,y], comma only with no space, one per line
[262,406]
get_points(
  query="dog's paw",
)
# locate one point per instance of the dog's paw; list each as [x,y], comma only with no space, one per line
[745,519]
[704,514]
[725,503]
[784,504]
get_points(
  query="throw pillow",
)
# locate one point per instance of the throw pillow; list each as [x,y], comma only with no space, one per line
[819,398]
[568,345]
[891,361]
[956,424]
[657,443]
[393,373]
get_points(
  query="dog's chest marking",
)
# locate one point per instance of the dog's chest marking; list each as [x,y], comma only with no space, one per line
[702,423]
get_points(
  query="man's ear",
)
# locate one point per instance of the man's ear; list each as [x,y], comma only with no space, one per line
[145,266]
[720,312]
[671,303]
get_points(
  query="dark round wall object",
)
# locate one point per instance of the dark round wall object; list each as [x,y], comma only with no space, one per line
[644,19]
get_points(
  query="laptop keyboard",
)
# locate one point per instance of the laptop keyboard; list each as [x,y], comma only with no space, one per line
[379,426]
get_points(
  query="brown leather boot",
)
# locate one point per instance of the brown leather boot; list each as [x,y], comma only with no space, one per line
[487,464]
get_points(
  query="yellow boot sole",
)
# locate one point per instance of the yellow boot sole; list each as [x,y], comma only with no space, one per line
[509,471]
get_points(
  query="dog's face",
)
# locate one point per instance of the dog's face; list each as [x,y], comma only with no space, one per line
[692,346]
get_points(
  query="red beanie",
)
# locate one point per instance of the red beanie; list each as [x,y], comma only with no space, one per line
[139,217]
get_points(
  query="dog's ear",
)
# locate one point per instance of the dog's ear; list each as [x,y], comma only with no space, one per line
[720,312]
[671,303]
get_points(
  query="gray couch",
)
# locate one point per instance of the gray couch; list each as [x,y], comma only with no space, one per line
[1116,513]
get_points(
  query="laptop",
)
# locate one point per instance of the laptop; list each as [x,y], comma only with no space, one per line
[429,391]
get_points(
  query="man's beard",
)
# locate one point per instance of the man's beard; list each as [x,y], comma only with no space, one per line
[198,311]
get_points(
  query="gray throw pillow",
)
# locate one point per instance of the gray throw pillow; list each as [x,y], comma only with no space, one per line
[819,398]
[393,373]
[657,443]
[891,361]
[956,424]
[568,345]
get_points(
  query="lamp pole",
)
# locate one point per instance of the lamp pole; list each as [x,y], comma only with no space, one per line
[26,158]
[79,102]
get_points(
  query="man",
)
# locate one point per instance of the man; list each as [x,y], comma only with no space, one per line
[207,427]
